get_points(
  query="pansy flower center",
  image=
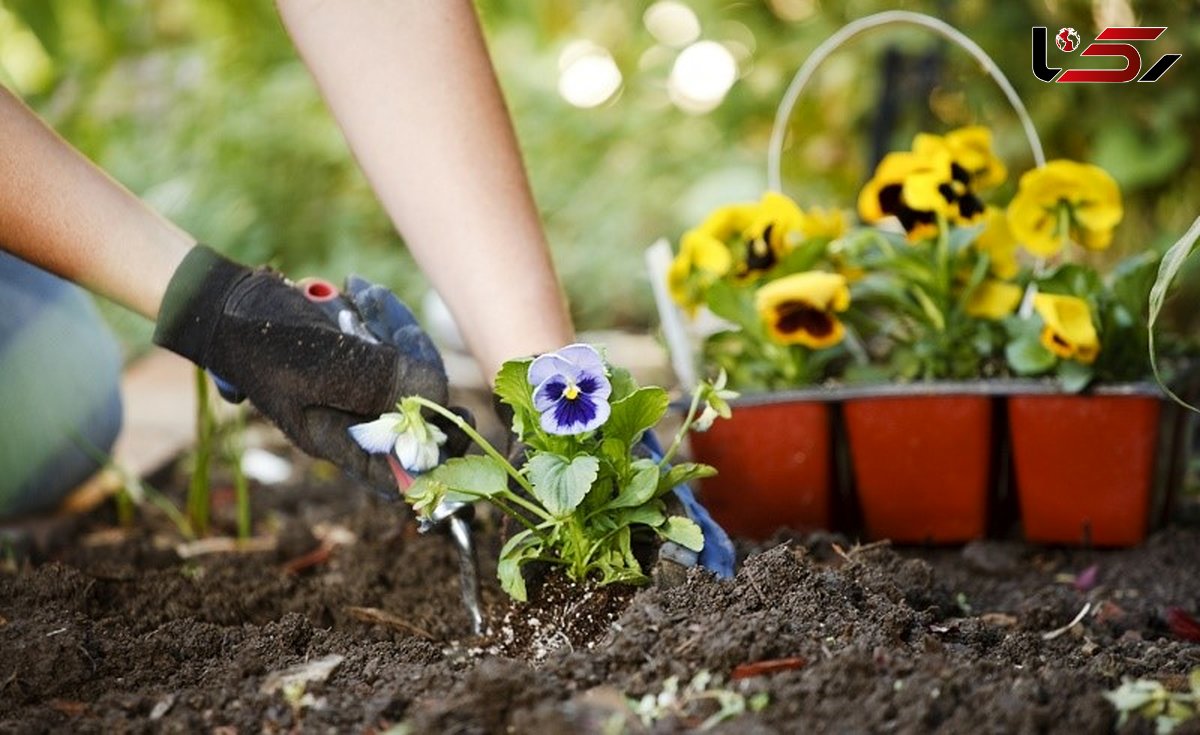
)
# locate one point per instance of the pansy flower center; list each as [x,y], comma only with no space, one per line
[796,316]
[571,392]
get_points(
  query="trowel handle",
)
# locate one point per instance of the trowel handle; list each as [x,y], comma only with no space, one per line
[324,294]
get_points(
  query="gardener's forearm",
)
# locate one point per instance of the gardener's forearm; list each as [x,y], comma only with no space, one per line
[412,87]
[60,212]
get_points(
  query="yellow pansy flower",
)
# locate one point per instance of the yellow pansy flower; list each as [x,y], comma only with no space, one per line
[998,242]
[916,186]
[775,226]
[702,259]
[1068,332]
[971,148]
[728,221]
[799,309]
[1065,200]
[824,223]
[994,300]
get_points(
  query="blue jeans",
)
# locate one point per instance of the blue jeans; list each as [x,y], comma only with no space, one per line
[60,407]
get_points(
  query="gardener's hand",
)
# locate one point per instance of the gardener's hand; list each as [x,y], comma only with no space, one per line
[257,332]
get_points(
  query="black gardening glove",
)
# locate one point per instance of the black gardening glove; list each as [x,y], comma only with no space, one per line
[257,332]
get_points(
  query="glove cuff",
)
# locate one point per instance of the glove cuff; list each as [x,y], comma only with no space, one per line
[194,301]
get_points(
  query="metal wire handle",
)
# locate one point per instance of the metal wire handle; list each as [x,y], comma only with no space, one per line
[852,29]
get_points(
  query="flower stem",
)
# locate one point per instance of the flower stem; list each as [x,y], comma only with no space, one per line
[490,451]
[687,424]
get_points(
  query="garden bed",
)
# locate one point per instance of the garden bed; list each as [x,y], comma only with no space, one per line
[110,630]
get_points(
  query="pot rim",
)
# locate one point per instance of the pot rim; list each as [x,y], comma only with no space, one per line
[935,388]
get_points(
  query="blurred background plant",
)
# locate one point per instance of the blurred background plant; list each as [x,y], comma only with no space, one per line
[635,118]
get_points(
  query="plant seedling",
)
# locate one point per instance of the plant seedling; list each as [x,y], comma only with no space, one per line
[587,488]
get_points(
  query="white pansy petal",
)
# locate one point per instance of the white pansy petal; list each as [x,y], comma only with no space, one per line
[427,457]
[706,419]
[437,435]
[544,366]
[408,449]
[602,412]
[583,356]
[378,436]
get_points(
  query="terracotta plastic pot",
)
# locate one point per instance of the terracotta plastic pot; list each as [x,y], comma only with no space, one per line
[776,467]
[922,465]
[1084,466]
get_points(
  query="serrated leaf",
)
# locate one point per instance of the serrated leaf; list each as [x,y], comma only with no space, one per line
[560,484]
[640,489]
[637,412]
[1170,266]
[682,531]
[1027,356]
[471,478]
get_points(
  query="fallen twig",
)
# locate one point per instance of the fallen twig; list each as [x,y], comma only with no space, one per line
[383,617]
[770,666]
[316,557]
[858,548]
[1074,621]
[225,545]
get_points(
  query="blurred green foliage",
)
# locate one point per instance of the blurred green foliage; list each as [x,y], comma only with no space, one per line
[203,108]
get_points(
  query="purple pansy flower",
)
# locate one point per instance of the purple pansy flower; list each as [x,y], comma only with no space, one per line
[571,390]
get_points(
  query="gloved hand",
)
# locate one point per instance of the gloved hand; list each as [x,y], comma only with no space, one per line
[257,332]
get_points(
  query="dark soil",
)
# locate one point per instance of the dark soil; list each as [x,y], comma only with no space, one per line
[111,631]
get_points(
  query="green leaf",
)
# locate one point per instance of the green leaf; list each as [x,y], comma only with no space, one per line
[513,388]
[425,493]
[649,515]
[682,531]
[640,489]
[735,305]
[1027,356]
[622,383]
[516,552]
[684,472]
[1172,262]
[561,484]
[961,237]
[616,452]
[802,258]
[639,411]
[932,313]
[1074,376]
[471,478]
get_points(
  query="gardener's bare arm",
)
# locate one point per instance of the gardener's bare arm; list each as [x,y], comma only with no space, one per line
[412,87]
[60,212]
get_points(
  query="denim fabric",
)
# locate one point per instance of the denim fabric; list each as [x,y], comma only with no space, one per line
[60,408]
